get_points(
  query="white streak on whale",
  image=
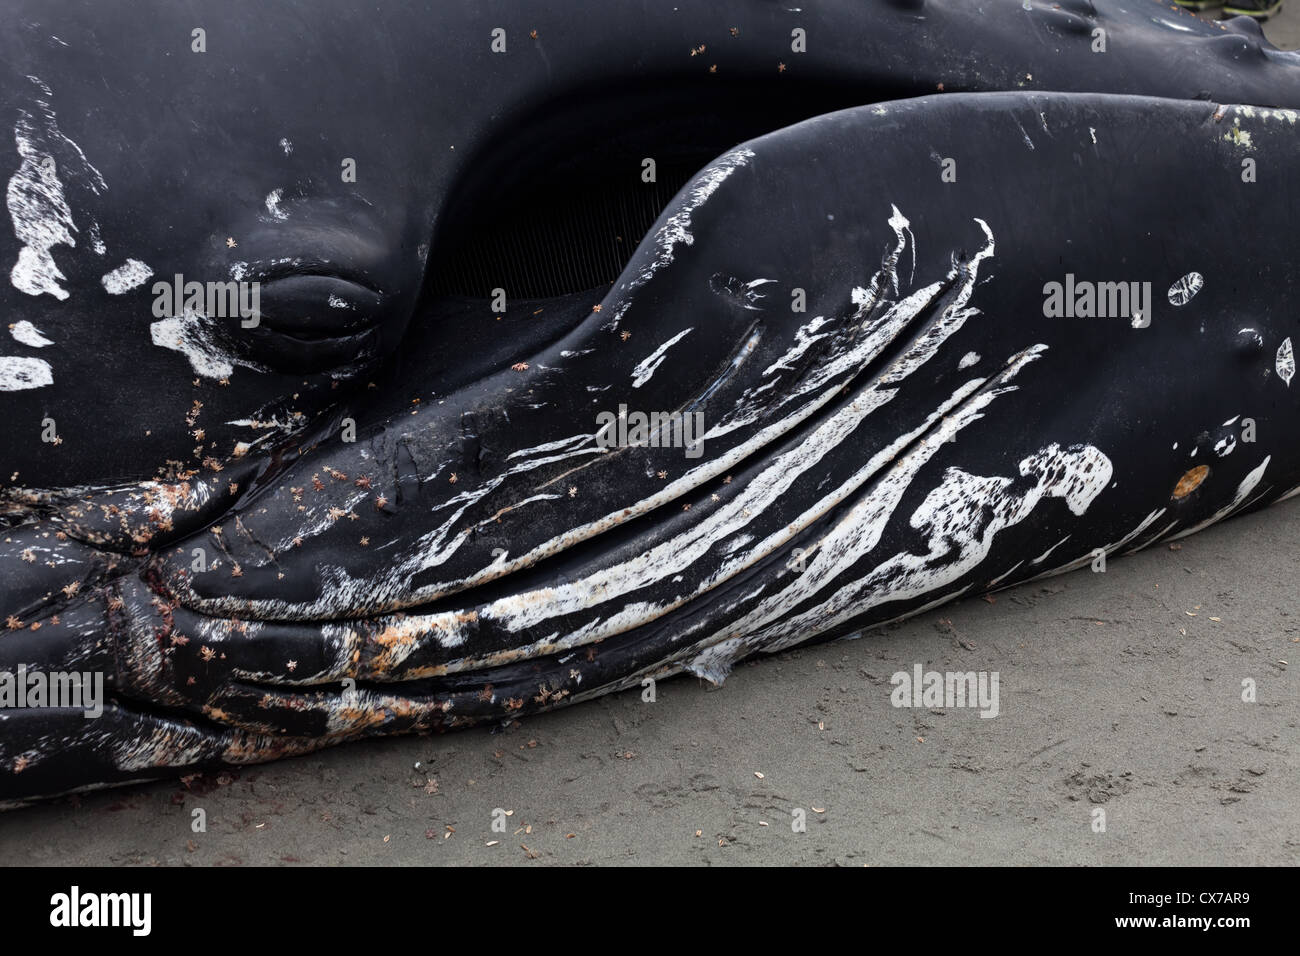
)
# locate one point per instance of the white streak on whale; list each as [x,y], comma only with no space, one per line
[900,224]
[677,230]
[960,518]
[273,200]
[19,374]
[650,364]
[129,275]
[38,208]
[29,334]
[191,335]
[1006,574]
[339,587]
[1185,289]
[803,340]
[679,555]
[1285,362]
[1043,557]
[1243,492]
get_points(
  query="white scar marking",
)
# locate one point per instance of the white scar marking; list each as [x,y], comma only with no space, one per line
[1043,557]
[959,518]
[1006,574]
[969,359]
[650,364]
[37,206]
[29,334]
[752,294]
[804,338]
[1285,363]
[18,374]
[273,204]
[192,336]
[1110,549]
[898,222]
[129,275]
[677,230]
[1185,289]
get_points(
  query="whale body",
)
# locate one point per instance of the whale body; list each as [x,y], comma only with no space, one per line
[374,372]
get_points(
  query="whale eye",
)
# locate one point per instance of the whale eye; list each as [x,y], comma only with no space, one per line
[311,322]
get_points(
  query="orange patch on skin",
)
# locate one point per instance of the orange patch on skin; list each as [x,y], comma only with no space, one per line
[1191,481]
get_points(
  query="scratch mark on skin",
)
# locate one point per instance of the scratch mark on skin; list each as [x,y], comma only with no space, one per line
[1006,574]
[1044,556]
[1028,142]
[898,222]
[804,339]
[650,364]
[960,517]
[746,294]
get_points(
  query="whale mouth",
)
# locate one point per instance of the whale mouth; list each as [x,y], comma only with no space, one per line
[457,657]
[255,612]
[559,205]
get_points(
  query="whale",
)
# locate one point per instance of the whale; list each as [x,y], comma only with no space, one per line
[395,371]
